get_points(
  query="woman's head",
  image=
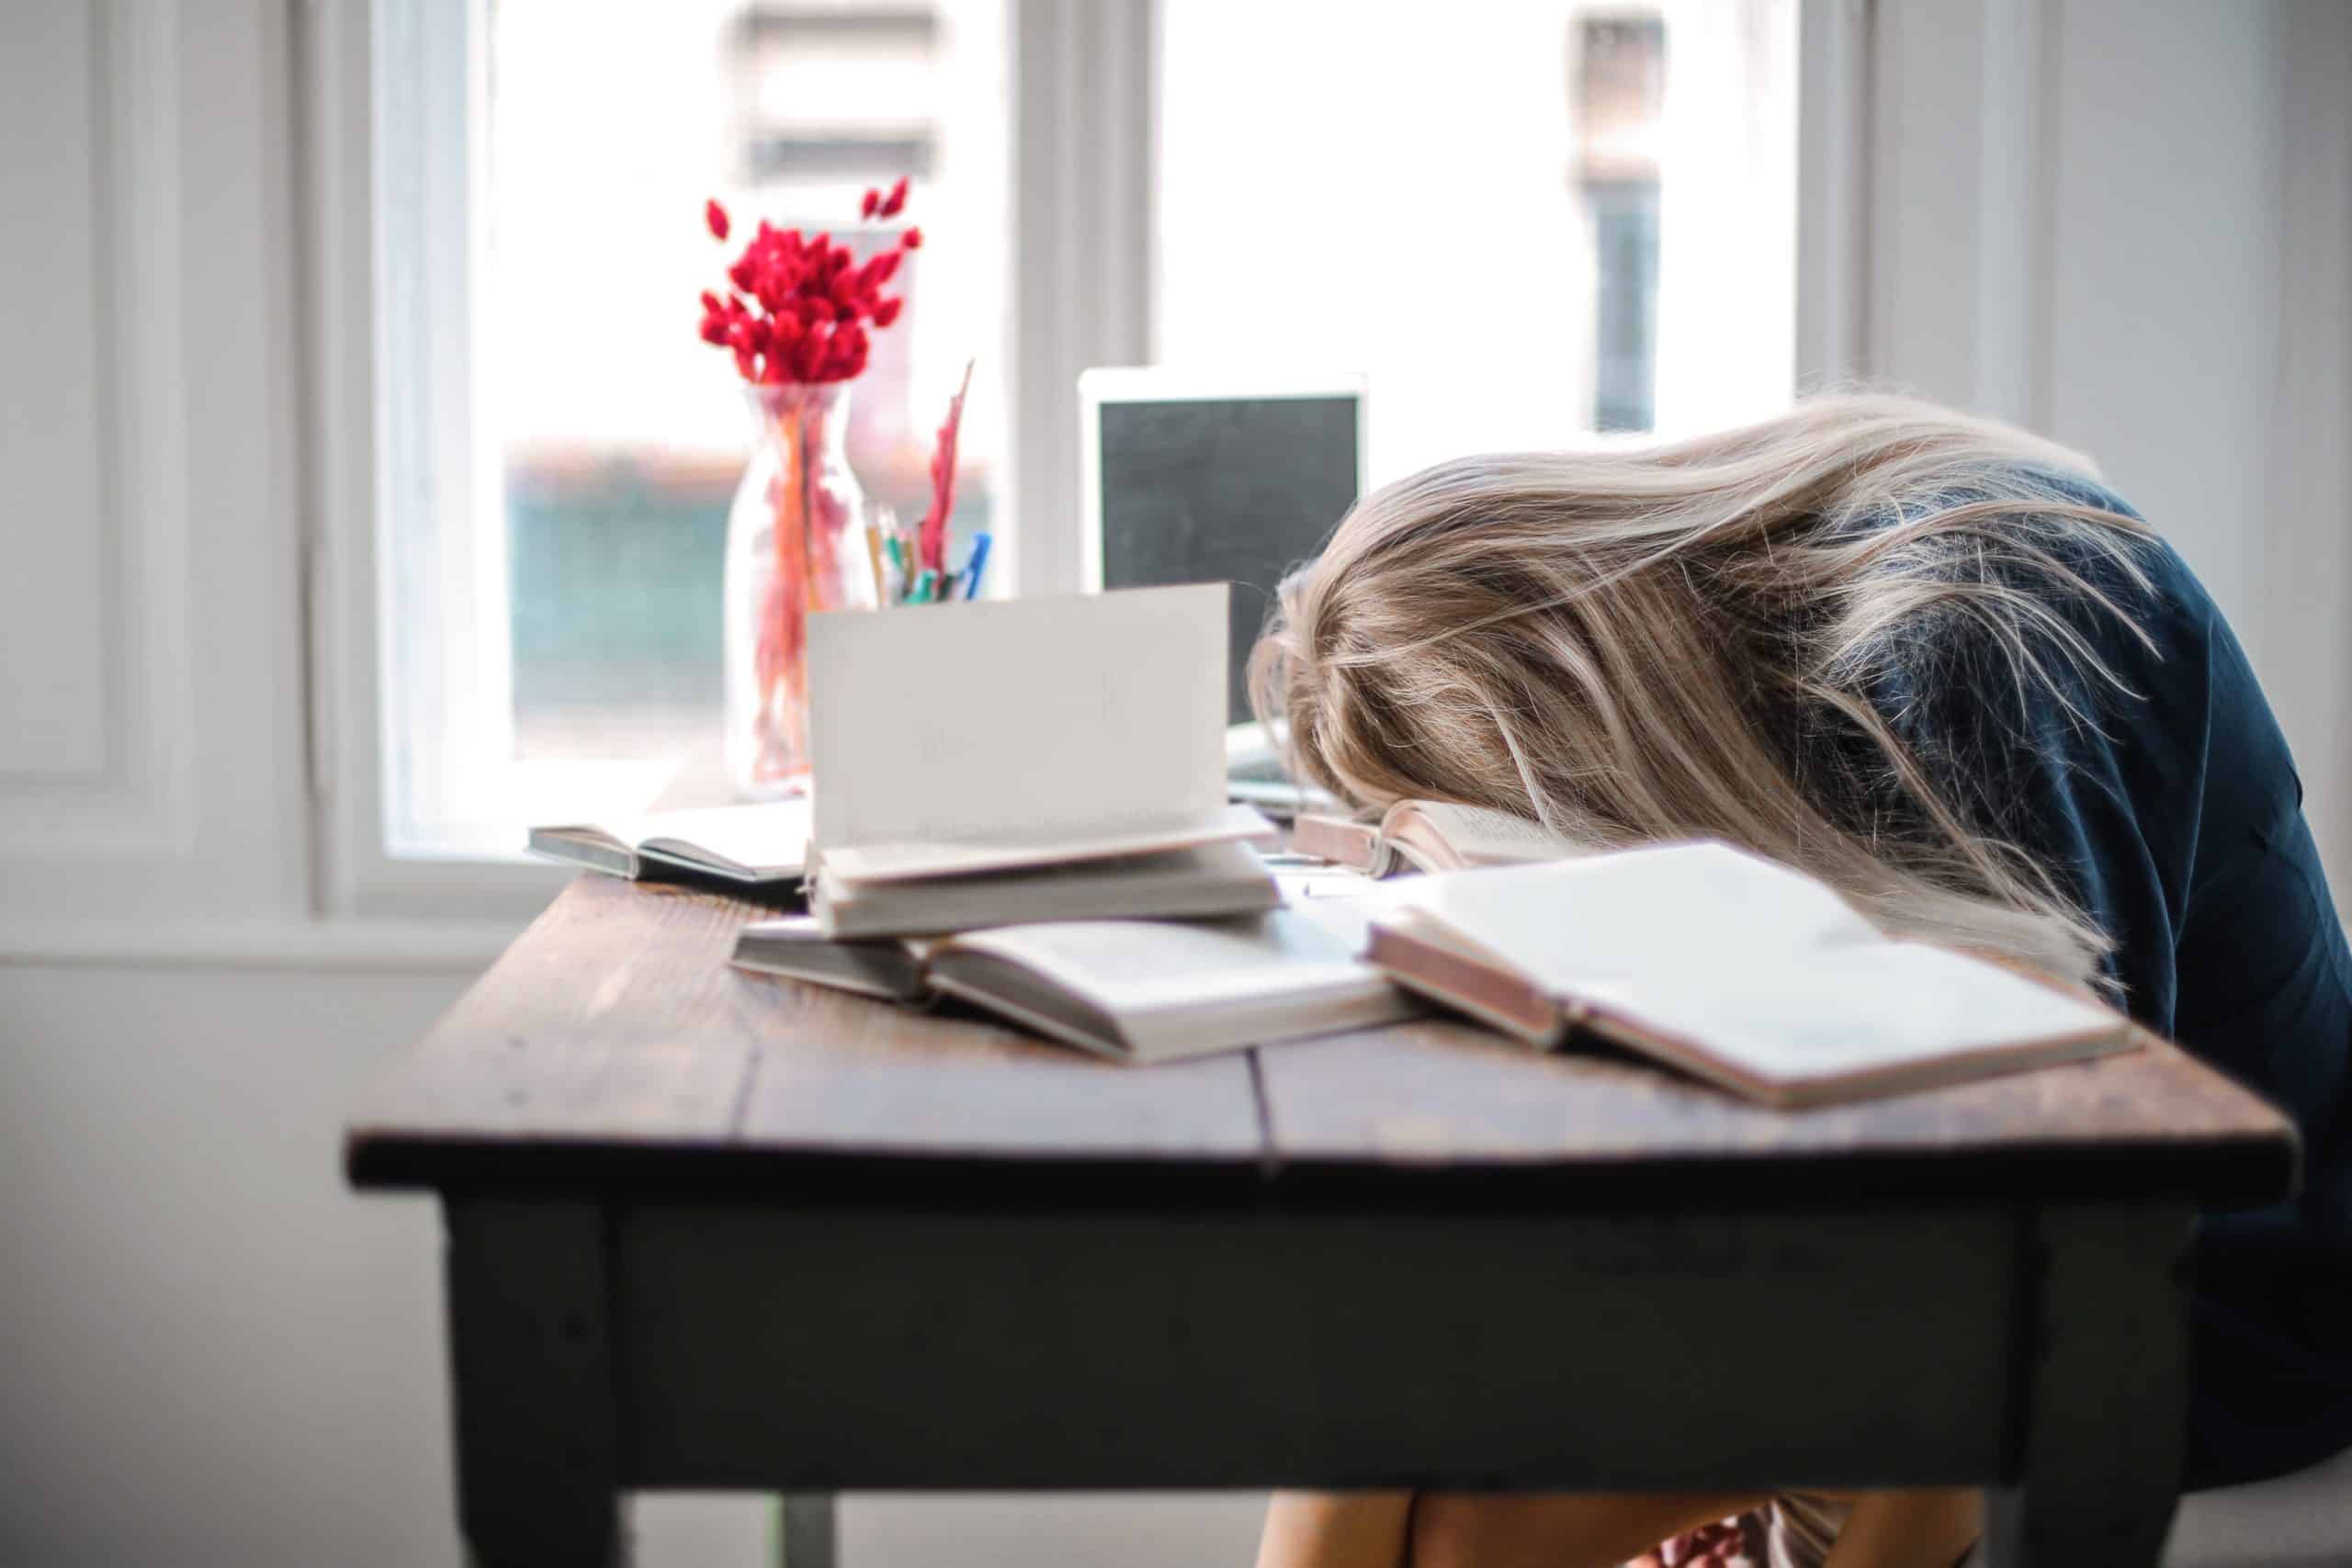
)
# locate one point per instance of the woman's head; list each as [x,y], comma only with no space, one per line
[1632,645]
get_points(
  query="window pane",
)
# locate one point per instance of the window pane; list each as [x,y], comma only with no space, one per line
[615,436]
[1525,223]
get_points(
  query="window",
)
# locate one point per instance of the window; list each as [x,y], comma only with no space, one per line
[1527,223]
[562,448]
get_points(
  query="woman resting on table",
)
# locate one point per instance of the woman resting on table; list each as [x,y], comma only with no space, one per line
[1935,663]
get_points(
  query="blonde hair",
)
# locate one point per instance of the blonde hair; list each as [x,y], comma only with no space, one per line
[1635,646]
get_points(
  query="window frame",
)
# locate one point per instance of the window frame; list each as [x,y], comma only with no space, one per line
[1083,248]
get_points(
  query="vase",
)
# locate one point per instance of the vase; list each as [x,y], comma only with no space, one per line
[795,547]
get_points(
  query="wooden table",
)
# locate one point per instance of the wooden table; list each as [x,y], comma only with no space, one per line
[709,1229]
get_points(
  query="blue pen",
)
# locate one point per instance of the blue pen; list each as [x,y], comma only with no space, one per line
[977,564]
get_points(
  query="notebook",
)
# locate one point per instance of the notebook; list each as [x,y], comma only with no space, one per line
[757,846]
[1736,969]
[1027,734]
[1136,990]
[1428,835]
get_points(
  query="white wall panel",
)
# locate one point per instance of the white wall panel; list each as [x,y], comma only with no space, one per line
[55,509]
[151,718]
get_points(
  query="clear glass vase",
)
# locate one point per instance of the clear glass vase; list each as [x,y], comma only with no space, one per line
[794,546]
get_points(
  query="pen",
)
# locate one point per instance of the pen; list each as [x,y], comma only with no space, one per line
[897,568]
[977,565]
[924,586]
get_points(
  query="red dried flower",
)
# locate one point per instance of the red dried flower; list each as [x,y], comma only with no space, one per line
[801,307]
[930,533]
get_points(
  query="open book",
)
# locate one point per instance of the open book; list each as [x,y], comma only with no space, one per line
[1139,990]
[757,846]
[1429,835]
[1737,970]
[1033,735]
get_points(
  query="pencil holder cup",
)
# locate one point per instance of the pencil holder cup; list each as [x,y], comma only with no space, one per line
[795,547]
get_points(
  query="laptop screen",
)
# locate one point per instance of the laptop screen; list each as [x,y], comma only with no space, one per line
[1204,489]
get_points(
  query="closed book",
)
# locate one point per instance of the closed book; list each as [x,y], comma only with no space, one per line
[1729,967]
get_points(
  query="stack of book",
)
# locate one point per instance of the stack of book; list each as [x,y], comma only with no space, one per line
[1021,805]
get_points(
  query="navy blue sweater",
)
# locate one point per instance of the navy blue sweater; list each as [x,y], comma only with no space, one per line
[2170,809]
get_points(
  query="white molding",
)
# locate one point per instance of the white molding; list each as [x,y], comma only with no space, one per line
[1834,188]
[1958,165]
[202,807]
[355,728]
[2013,197]
[1084,166]
[2303,643]
[139,803]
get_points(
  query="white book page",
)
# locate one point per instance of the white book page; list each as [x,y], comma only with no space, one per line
[922,859]
[1848,1012]
[1679,912]
[1131,967]
[1024,717]
[1474,834]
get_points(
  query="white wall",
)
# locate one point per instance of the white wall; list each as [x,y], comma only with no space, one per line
[209,1350]
[212,1353]
[2129,226]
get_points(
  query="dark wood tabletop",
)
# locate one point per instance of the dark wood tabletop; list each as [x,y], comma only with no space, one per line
[613,1047]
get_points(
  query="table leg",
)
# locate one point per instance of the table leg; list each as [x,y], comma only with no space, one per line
[531,1363]
[2107,1399]
[809,1529]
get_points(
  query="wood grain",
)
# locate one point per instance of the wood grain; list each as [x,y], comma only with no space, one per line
[613,1044]
[614,1033]
[1441,1096]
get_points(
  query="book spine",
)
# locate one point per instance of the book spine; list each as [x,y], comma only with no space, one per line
[1502,999]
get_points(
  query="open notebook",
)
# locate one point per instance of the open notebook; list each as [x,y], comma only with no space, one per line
[1428,835]
[1730,967]
[1139,990]
[757,846]
[1063,739]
